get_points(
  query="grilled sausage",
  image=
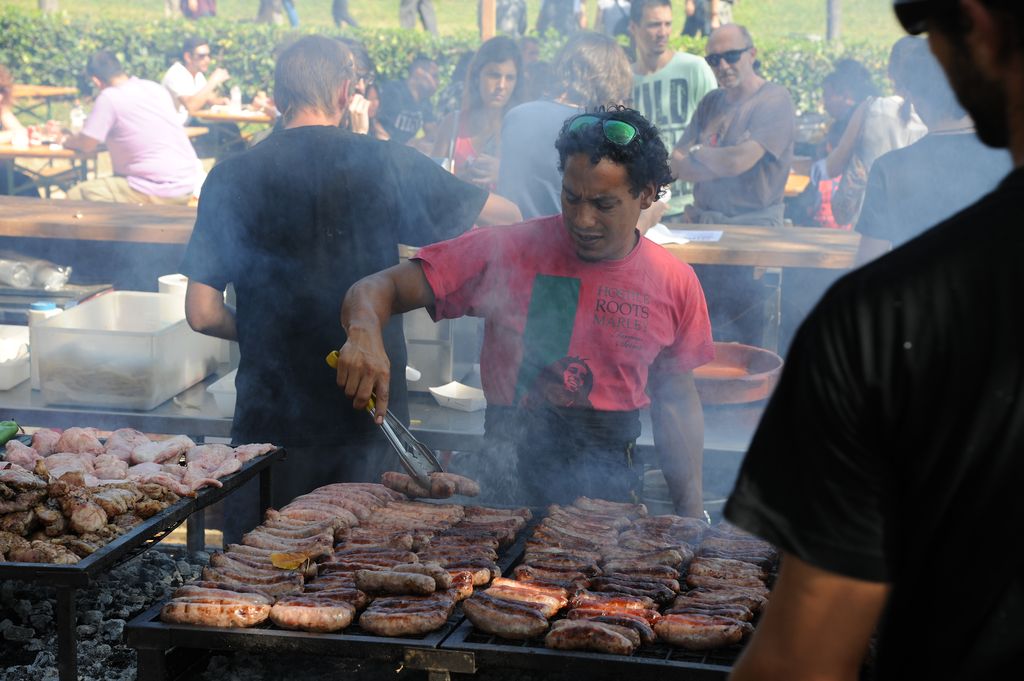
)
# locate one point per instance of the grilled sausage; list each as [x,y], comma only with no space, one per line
[504,618]
[406,484]
[462,485]
[700,632]
[407,616]
[621,601]
[394,582]
[591,611]
[590,635]
[725,568]
[224,595]
[286,585]
[637,624]
[753,583]
[462,584]
[312,613]
[547,605]
[735,611]
[653,590]
[442,579]
[185,611]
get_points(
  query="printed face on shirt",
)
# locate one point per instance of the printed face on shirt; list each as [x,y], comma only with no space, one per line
[497,82]
[725,40]
[653,31]
[598,208]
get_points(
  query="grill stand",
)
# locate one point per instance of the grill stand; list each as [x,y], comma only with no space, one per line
[68,579]
[440,664]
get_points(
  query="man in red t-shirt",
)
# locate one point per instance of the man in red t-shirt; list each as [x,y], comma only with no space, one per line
[586,324]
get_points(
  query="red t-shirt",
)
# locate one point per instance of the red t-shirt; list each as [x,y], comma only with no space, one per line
[563,330]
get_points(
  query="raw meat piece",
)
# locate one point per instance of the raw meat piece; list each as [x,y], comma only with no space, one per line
[44,441]
[247,452]
[210,457]
[79,441]
[197,476]
[163,450]
[24,456]
[110,467]
[140,471]
[123,442]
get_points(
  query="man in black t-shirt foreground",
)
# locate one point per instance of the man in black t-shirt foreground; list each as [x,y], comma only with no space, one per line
[292,223]
[888,465]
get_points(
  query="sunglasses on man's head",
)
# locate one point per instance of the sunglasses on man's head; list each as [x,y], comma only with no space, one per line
[202,55]
[616,132]
[729,56]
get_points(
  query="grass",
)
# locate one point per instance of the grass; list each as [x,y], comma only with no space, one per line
[861,19]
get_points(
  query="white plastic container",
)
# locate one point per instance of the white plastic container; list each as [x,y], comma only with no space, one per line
[14,371]
[459,396]
[223,391]
[38,312]
[176,284]
[126,349]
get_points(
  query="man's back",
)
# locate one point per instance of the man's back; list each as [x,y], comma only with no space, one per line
[137,122]
[293,223]
[529,176]
[891,449]
[915,187]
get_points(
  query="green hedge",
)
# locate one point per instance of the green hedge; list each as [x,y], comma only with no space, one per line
[52,50]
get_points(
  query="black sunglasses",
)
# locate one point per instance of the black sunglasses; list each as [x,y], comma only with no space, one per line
[730,57]
[616,132]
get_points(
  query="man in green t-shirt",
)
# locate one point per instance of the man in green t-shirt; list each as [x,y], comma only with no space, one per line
[667,85]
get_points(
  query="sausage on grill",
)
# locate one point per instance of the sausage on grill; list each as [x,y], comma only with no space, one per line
[507,619]
[589,635]
[700,632]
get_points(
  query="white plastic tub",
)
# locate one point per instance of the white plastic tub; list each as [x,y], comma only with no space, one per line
[126,349]
[223,391]
[15,369]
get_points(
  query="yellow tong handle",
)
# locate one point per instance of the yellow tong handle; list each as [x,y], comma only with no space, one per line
[332,361]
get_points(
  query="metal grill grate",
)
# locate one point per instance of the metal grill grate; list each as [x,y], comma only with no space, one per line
[721,656]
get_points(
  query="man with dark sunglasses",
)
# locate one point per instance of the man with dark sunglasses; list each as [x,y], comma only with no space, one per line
[187,82]
[581,289]
[888,464]
[191,91]
[738,148]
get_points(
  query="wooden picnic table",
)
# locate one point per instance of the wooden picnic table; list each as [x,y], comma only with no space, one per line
[95,221]
[43,179]
[39,96]
[770,251]
[224,116]
[810,247]
[26,91]
[193,131]
[796,184]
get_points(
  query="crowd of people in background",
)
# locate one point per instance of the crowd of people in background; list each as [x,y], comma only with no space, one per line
[731,132]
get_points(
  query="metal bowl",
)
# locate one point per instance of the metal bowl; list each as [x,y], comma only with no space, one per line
[739,374]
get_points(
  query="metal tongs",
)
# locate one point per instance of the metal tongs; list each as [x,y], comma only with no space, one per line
[417,458]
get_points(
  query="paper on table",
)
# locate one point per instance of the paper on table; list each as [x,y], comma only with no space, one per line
[699,234]
[660,234]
